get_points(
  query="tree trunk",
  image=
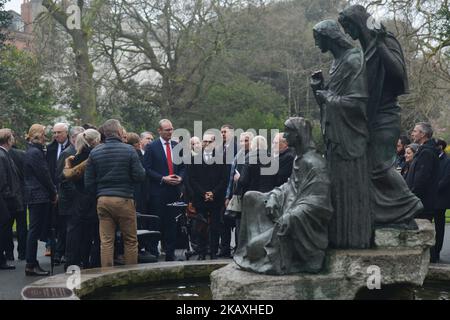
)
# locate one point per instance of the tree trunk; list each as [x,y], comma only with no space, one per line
[85,70]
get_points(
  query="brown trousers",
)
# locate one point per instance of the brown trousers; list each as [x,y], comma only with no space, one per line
[112,212]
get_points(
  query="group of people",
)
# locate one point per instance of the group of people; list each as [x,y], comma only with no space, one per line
[89,183]
[425,167]
[94,180]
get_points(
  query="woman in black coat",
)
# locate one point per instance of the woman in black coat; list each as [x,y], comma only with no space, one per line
[40,194]
[252,178]
[83,239]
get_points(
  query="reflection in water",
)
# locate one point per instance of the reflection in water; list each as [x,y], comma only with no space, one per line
[200,290]
[433,291]
[173,290]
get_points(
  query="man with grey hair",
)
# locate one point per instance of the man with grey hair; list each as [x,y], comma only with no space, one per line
[423,174]
[113,183]
[146,138]
[66,190]
[61,141]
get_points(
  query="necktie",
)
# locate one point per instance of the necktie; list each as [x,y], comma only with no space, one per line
[62,149]
[169,158]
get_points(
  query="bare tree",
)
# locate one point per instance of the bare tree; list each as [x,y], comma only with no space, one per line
[168,44]
[423,28]
[80,35]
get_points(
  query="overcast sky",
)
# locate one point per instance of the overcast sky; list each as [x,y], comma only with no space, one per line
[13,5]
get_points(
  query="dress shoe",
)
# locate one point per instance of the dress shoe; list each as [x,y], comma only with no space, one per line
[226,255]
[35,270]
[170,258]
[201,257]
[6,266]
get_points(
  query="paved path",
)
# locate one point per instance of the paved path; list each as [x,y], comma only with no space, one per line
[12,282]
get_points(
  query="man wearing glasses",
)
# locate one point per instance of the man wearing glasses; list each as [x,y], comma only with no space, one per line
[208,182]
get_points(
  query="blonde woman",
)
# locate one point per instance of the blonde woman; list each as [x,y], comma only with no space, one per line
[40,194]
[83,240]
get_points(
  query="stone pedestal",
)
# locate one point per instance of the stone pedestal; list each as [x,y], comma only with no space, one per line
[399,261]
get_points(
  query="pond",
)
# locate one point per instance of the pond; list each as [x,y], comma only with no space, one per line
[196,289]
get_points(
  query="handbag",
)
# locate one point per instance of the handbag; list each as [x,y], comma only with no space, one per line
[191,212]
[234,207]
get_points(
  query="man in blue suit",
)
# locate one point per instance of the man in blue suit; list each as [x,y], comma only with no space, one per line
[166,179]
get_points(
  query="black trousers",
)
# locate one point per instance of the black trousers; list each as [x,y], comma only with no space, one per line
[82,238]
[4,234]
[439,225]
[226,226]
[158,206]
[20,217]
[38,214]
[211,214]
[90,253]
[61,234]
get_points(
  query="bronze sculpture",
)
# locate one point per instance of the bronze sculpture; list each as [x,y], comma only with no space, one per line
[343,99]
[286,230]
[391,201]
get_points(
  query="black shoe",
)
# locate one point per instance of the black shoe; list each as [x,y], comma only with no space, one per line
[223,253]
[35,270]
[10,256]
[226,254]
[6,266]
[170,258]
[146,257]
[201,257]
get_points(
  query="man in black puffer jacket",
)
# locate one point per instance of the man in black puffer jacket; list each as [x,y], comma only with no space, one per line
[112,171]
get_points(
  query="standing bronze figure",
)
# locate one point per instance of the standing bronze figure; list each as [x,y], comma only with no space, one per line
[391,200]
[343,99]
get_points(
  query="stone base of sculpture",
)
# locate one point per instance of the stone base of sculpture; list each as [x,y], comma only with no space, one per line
[398,262]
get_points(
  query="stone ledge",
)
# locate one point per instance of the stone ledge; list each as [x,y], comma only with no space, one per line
[346,272]
[94,279]
[438,272]
[396,238]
